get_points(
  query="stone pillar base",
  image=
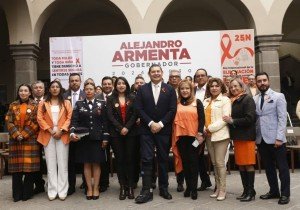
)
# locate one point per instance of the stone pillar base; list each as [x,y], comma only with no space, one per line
[25,57]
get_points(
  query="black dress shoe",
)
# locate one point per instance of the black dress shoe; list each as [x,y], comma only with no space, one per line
[187,193]
[180,188]
[71,191]
[269,196]
[122,194]
[284,200]
[165,194]
[17,199]
[204,186]
[130,193]
[194,194]
[38,190]
[103,188]
[144,197]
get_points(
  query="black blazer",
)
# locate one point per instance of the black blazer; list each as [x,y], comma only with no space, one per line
[115,117]
[163,111]
[244,118]
[95,119]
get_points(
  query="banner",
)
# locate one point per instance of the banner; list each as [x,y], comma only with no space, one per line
[237,53]
[132,54]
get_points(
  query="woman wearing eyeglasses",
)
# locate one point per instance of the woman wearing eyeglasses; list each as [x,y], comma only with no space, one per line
[54,115]
[24,155]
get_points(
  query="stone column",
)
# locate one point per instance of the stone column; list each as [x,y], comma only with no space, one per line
[267,59]
[25,57]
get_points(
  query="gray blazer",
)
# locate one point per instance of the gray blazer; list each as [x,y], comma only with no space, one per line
[271,119]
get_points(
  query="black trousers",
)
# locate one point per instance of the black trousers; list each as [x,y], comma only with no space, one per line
[162,145]
[137,159]
[271,158]
[38,176]
[189,156]
[22,189]
[180,178]
[72,166]
[202,166]
[125,148]
[105,166]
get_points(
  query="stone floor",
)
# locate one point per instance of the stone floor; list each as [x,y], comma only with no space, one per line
[109,199]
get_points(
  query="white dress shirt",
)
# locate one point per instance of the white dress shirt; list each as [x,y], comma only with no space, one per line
[200,92]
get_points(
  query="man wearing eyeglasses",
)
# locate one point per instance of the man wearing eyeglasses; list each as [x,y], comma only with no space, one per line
[201,79]
[174,79]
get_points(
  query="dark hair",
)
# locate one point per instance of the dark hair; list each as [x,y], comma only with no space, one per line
[154,65]
[29,88]
[261,73]
[189,77]
[98,86]
[202,70]
[127,91]
[219,82]
[72,75]
[234,71]
[106,78]
[138,77]
[60,97]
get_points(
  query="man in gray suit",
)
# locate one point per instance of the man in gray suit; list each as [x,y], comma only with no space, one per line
[270,138]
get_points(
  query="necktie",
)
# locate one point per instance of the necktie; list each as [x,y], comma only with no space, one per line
[262,100]
[156,93]
[74,99]
[90,104]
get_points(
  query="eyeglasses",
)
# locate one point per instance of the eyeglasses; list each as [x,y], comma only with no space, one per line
[174,77]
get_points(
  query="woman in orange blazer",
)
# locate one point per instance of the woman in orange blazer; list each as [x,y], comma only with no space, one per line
[54,115]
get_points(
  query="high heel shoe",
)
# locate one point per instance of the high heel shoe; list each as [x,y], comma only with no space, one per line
[89,197]
[221,196]
[249,196]
[215,194]
[95,197]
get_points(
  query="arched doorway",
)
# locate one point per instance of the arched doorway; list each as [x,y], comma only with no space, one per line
[289,53]
[80,18]
[200,15]
[6,63]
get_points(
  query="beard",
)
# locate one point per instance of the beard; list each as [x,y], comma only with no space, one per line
[263,88]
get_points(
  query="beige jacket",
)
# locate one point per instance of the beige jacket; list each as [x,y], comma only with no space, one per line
[220,107]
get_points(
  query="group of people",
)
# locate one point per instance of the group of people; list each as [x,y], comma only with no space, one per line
[80,126]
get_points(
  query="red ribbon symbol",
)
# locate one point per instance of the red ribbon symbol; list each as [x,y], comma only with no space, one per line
[226,49]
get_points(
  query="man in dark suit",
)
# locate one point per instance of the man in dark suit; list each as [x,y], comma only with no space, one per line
[156,104]
[270,138]
[107,88]
[201,79]
[38,91]
[73,94]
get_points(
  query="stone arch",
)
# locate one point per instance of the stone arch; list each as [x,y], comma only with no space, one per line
[81,19]
[6,64]
[204,15]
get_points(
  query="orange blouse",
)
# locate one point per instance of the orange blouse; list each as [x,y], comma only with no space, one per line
[23,108]
[185,124]
[207,112]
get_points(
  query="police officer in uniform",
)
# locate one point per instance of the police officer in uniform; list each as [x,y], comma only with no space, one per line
[89,117]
